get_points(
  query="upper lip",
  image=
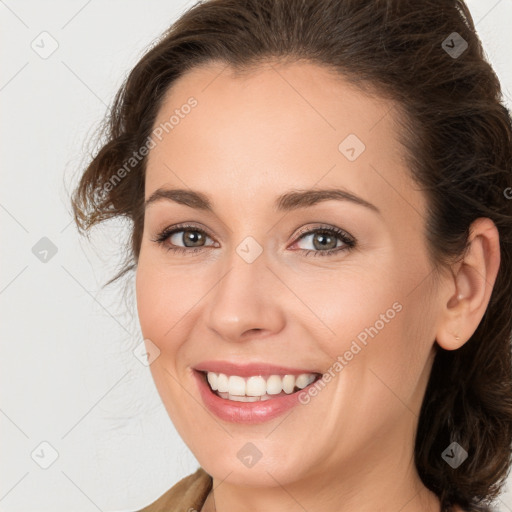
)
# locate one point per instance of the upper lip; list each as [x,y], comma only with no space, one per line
[248,369]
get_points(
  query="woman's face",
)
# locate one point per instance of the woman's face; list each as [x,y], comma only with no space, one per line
[253,283]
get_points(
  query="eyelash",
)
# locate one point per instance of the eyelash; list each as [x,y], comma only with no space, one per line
[349,242]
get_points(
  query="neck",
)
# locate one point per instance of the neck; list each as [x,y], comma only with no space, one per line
[407,497]
[373,480]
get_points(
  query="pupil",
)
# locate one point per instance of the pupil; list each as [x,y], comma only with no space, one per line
[194,234]
[323,244]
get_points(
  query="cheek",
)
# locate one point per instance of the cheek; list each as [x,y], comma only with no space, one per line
[164,297]
[379,322]
[161,310]
[356,304]
[149,302]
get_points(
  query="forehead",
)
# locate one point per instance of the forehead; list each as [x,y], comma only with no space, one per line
[274,127]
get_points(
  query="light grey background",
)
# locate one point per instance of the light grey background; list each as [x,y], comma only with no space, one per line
[68,374]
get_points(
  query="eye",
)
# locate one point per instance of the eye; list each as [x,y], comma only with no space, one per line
[325,241]
[191,236]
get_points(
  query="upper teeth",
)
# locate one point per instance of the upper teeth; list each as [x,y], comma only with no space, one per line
[258,385]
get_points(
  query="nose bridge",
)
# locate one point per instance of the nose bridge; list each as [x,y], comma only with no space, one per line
[245,297]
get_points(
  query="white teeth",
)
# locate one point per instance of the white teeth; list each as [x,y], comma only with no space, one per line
[250,389]
[243,398]
[288,383]
[222,383]
[236,385]
[255,386]
[274,385]
[304,379]
[212,380]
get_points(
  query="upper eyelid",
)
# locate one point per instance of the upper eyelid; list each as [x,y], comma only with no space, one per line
[301,233]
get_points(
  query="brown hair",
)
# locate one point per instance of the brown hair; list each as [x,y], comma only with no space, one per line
[458,136]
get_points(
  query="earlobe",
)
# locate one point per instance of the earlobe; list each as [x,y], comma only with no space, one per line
[470,286]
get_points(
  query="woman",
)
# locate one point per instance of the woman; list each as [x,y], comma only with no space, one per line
[322,225]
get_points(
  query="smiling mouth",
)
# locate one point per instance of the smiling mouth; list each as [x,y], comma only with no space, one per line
[257,387]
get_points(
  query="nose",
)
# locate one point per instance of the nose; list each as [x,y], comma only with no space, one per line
[246,301]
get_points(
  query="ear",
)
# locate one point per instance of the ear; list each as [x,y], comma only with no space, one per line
[469,289]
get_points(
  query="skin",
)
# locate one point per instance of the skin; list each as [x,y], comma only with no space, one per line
[251,138]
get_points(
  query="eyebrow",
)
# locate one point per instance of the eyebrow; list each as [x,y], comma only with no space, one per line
[293,200]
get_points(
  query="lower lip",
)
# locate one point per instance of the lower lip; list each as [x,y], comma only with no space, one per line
[245,412]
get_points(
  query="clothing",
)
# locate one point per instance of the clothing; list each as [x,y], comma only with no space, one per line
[188,495]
